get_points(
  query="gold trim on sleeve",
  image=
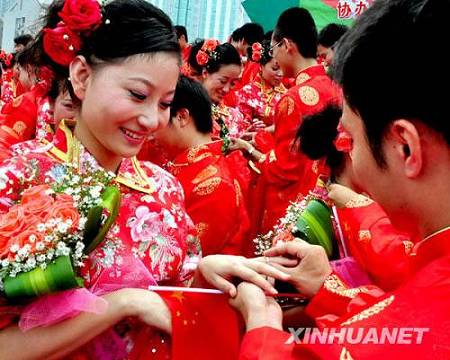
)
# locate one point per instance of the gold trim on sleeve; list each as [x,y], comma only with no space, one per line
[335,285]
[371,311]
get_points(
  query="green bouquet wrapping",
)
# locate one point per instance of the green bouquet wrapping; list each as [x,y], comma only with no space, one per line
[43,257]
[59,275]
[315,225]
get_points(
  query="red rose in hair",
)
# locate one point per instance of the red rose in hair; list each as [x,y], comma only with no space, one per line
[210,45]
[256,47]
[61,44]
[8,60]
[81,15]
[343,141]
[202,58]
[256,56]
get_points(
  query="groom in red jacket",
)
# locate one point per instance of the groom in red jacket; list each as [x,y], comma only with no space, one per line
[398,120]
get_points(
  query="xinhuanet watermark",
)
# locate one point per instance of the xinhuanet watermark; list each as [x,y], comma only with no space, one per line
[368,335]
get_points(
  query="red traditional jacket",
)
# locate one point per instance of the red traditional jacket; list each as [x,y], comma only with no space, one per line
[288,174]
[258,99]
[419,307]
[214,198]
[26,117]
[381,251]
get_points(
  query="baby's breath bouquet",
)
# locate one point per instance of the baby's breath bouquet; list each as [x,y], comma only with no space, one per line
[309,219]
[46,236]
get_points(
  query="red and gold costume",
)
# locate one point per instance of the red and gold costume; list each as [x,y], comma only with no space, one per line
[257,99]
[420,303]
[288,174]
[381,251]
[27,116]
[214,199]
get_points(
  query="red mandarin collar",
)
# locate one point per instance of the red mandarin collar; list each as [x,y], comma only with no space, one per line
[62,136]
[312,71]
[432,247]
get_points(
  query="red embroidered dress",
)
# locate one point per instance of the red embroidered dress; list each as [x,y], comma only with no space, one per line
[153,239]
[234,121]
[258,100]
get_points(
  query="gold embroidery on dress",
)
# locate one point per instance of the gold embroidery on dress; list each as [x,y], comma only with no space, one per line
[201,228]
[268,109]
[335,285]
[208,186]
[57,153]
[10,131]
[267,94]
[19,127]
[74,152]
[315,166]
[280,89]
[272,156]
[371,311]
[206,173]
[359,201]
[308,95]
[408,246]
[137,180]
[345,355]
[301,78]
[192,156]
[237,188]
[218,111]
[364,235]
[287,105]
[252,166]
[17,101]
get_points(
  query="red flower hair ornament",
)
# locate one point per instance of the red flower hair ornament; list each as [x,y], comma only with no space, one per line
[6,58]
[207,52]
[79,17]
[344,141]
[257,50]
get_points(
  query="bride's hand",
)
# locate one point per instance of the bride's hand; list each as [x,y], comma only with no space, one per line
[342,195]
[143,304]
[218,270]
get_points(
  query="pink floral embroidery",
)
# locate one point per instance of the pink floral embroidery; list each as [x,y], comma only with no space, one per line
[146,226]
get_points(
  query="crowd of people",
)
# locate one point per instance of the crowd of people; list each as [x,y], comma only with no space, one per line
[242,190]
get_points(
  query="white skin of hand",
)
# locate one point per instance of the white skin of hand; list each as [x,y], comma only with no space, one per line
[219,270]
